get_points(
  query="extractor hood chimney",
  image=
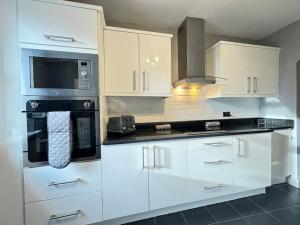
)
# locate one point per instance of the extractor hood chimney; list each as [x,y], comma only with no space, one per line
[191,54]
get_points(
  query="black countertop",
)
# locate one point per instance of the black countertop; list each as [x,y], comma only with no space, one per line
[196,129]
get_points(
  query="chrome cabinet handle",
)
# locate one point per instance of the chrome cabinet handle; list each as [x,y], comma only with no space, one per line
[219,162]
[239,150]
[55,184]
[144,149]
[154,155]
[249,85]
[56,217]
[217,144]
[134,80]
[59,38]
[144,81]
[213,187]
[255,84]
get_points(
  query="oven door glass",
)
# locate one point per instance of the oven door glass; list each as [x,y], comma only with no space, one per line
[54,73]
[84,135]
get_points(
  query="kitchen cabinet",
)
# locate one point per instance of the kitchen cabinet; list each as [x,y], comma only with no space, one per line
[252,161]
[46,23]
[43,183]
[121,62]
[137,63]
[242,70]
[74,210]
[124,180]
[210,167]
[167,174]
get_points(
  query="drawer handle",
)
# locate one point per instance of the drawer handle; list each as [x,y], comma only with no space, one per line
[219,162]
[213,187]
[217,144]
[56,217]
[64,183]
[59,38]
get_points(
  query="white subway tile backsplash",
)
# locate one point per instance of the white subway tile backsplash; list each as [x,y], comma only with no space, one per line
[186,105]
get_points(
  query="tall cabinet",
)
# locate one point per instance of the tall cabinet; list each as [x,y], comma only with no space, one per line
[242,70]
[137,63]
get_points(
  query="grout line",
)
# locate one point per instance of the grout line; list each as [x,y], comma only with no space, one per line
[186,222]
[275,218]
[211,214]
[256,204]
[242,216]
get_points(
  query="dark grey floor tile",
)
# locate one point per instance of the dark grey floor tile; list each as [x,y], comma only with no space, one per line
[246,207]
[268,202]
[170,219]
[296,209]
[143,222]
[287,216]
[223,212]
[198,216]
[262,219]
[290,198]
[291,189]
[236,222]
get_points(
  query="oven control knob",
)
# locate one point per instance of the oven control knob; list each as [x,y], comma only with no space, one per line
[87,105]
[84,74]
[34,105]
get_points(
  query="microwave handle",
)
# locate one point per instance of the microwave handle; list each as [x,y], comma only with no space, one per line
[59,38]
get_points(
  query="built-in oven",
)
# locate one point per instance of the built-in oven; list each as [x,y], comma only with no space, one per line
[85,128]
[52,73]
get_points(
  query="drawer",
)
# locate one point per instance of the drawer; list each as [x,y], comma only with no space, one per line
[210,143]
[199,190]
[76,210]
[53,24]
[211,165]
[43,183]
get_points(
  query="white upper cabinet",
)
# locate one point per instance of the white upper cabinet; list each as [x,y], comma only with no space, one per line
[121,62]
[155,55]
[137,63]
[51,24]
[242,70]
[252,161]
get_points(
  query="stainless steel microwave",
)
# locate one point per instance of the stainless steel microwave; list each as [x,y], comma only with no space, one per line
[52,73]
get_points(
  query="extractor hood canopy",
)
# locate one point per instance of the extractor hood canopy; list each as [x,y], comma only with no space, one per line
[191,54]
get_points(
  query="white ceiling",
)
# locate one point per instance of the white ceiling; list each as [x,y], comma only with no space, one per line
[253,19]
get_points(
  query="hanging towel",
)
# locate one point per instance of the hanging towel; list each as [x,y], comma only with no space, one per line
[59,139]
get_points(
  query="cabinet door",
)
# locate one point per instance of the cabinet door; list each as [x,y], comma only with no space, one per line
[210,168]
[47,23]
[167,174]
[155,61]
[125,180]
[252,161]
[121,62]
[264,71]
[235,61]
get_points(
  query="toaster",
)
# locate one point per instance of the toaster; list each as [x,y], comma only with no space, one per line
[121,125]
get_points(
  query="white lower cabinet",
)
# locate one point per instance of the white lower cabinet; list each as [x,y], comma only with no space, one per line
[43,183]
[210,168]
[142,177]
[125,180]
[167,174]
[75,210]
[252,161]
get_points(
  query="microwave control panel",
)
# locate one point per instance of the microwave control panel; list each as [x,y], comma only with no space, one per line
[84,76]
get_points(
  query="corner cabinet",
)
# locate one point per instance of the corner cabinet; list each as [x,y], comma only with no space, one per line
[137,63]
[242,70]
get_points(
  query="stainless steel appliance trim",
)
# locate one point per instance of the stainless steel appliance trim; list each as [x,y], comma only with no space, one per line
[26,72]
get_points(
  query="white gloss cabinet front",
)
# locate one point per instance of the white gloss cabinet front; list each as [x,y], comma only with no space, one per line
[124,180]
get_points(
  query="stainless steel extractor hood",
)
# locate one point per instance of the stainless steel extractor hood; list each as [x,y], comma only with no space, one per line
[191,54]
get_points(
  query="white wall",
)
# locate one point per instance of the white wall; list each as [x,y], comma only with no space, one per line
[288,39]
[11,202]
